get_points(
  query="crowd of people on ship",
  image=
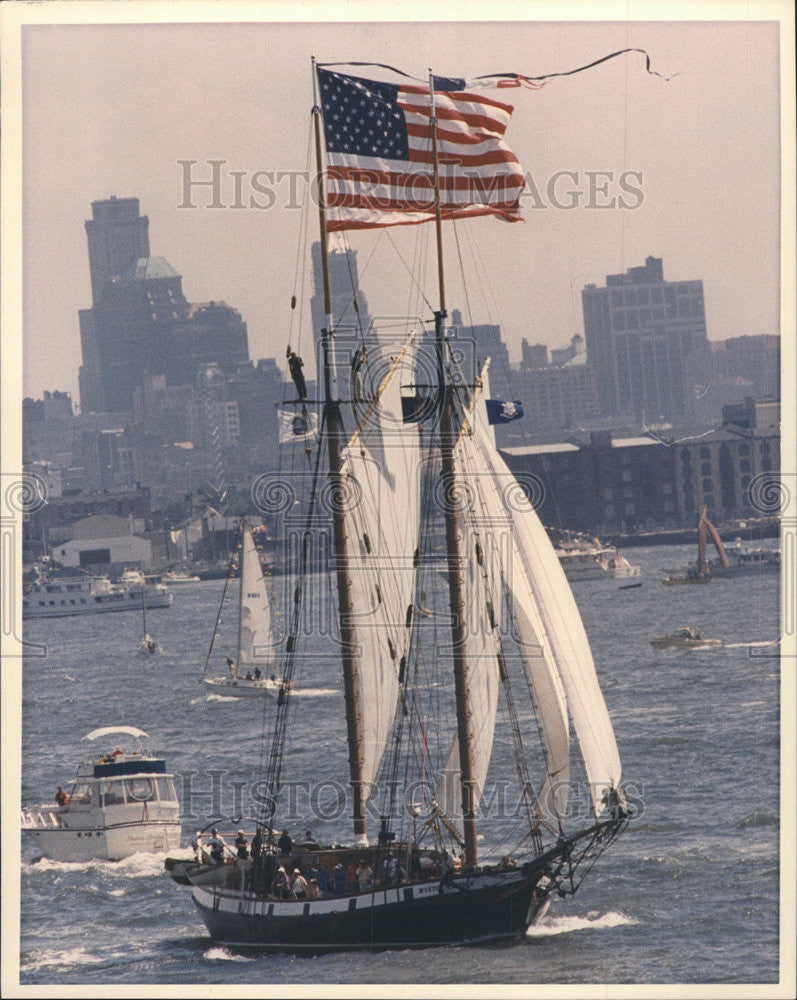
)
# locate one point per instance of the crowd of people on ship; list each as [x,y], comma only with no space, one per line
[271,872]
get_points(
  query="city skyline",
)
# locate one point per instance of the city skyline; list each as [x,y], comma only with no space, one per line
[148,109]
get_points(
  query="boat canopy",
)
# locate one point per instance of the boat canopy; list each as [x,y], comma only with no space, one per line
[96,734]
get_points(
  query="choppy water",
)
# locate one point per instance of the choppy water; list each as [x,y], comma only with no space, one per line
[689,894]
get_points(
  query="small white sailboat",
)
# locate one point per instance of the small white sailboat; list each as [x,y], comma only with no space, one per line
[253,671]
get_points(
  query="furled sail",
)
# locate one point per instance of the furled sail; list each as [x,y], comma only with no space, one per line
[256,639]
[380,470]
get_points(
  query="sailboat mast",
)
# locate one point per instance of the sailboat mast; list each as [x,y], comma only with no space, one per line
[334,425]
[453,536]
[242,536]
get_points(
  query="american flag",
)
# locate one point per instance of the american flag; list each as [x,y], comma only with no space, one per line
[379,152]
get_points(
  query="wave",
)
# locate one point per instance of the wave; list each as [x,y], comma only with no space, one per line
[313,692]
[219,954]
[218,697]
[136,866]
[565,925]
[38,960]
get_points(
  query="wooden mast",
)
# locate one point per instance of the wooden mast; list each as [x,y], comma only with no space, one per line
[334,427]
[242,535]
[453,535]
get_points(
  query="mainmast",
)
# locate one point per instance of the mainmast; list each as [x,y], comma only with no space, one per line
[334,425]
[453,535]
[241,542]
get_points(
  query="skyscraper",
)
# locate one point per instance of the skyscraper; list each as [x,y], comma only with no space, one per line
[645,337]
[140,321]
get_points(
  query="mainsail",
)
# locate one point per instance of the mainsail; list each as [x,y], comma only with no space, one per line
[255,636]
[379,467]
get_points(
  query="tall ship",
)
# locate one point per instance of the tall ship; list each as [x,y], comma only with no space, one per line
[498,657]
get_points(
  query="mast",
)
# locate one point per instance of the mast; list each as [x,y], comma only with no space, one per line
[702,565]
[334,426]
[240,597]
[453,538]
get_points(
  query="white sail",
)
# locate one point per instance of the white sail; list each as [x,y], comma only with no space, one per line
[255,638]
[560,622]
[501,558]
[380,472]
[482,645]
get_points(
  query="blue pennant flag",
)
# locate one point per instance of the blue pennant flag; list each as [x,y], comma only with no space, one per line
[501,411]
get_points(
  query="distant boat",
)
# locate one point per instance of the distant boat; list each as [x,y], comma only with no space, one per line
[746,560]
[700,571]
[177,578]
[252,673]
[59,597]
[686,637]
[120,804]
[585,558]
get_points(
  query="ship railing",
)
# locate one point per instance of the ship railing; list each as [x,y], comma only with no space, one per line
[42,817]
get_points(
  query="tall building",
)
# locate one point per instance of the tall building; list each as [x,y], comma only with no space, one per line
[349,304]
[140,322]
[118,235]
[645,337]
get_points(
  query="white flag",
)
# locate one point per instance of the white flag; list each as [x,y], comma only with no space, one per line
[297,426]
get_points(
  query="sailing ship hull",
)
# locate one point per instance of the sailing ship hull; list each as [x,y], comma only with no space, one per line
[476,908]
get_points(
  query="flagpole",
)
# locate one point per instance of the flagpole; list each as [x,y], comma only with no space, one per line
[334,424]
[453,537]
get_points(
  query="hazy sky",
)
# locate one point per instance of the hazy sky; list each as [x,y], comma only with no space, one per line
[112,109]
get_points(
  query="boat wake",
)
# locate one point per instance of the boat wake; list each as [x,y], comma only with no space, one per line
[220,697]
[313,692]
[551,926]
[218,954]
[741,645]
[136,866]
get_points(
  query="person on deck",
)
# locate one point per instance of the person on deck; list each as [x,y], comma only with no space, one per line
[282,885]
[60,797]
[351,878]
[324,875]
[298,884]
[285,843]
[340,880]
[216,846]
[257,673]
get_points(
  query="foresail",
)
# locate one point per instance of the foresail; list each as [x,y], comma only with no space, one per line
[538,659]
[256,640]
[380,469]
[561,622]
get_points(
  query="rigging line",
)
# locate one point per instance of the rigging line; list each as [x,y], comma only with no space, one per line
[300,269]
[462,271]
[274,771]
[409,272]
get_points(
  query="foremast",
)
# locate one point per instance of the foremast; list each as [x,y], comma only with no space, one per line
[334,427]
[453,535]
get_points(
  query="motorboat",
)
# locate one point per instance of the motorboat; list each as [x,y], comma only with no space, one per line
[120,803]
[178,578]
[59,597]
[686,637]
